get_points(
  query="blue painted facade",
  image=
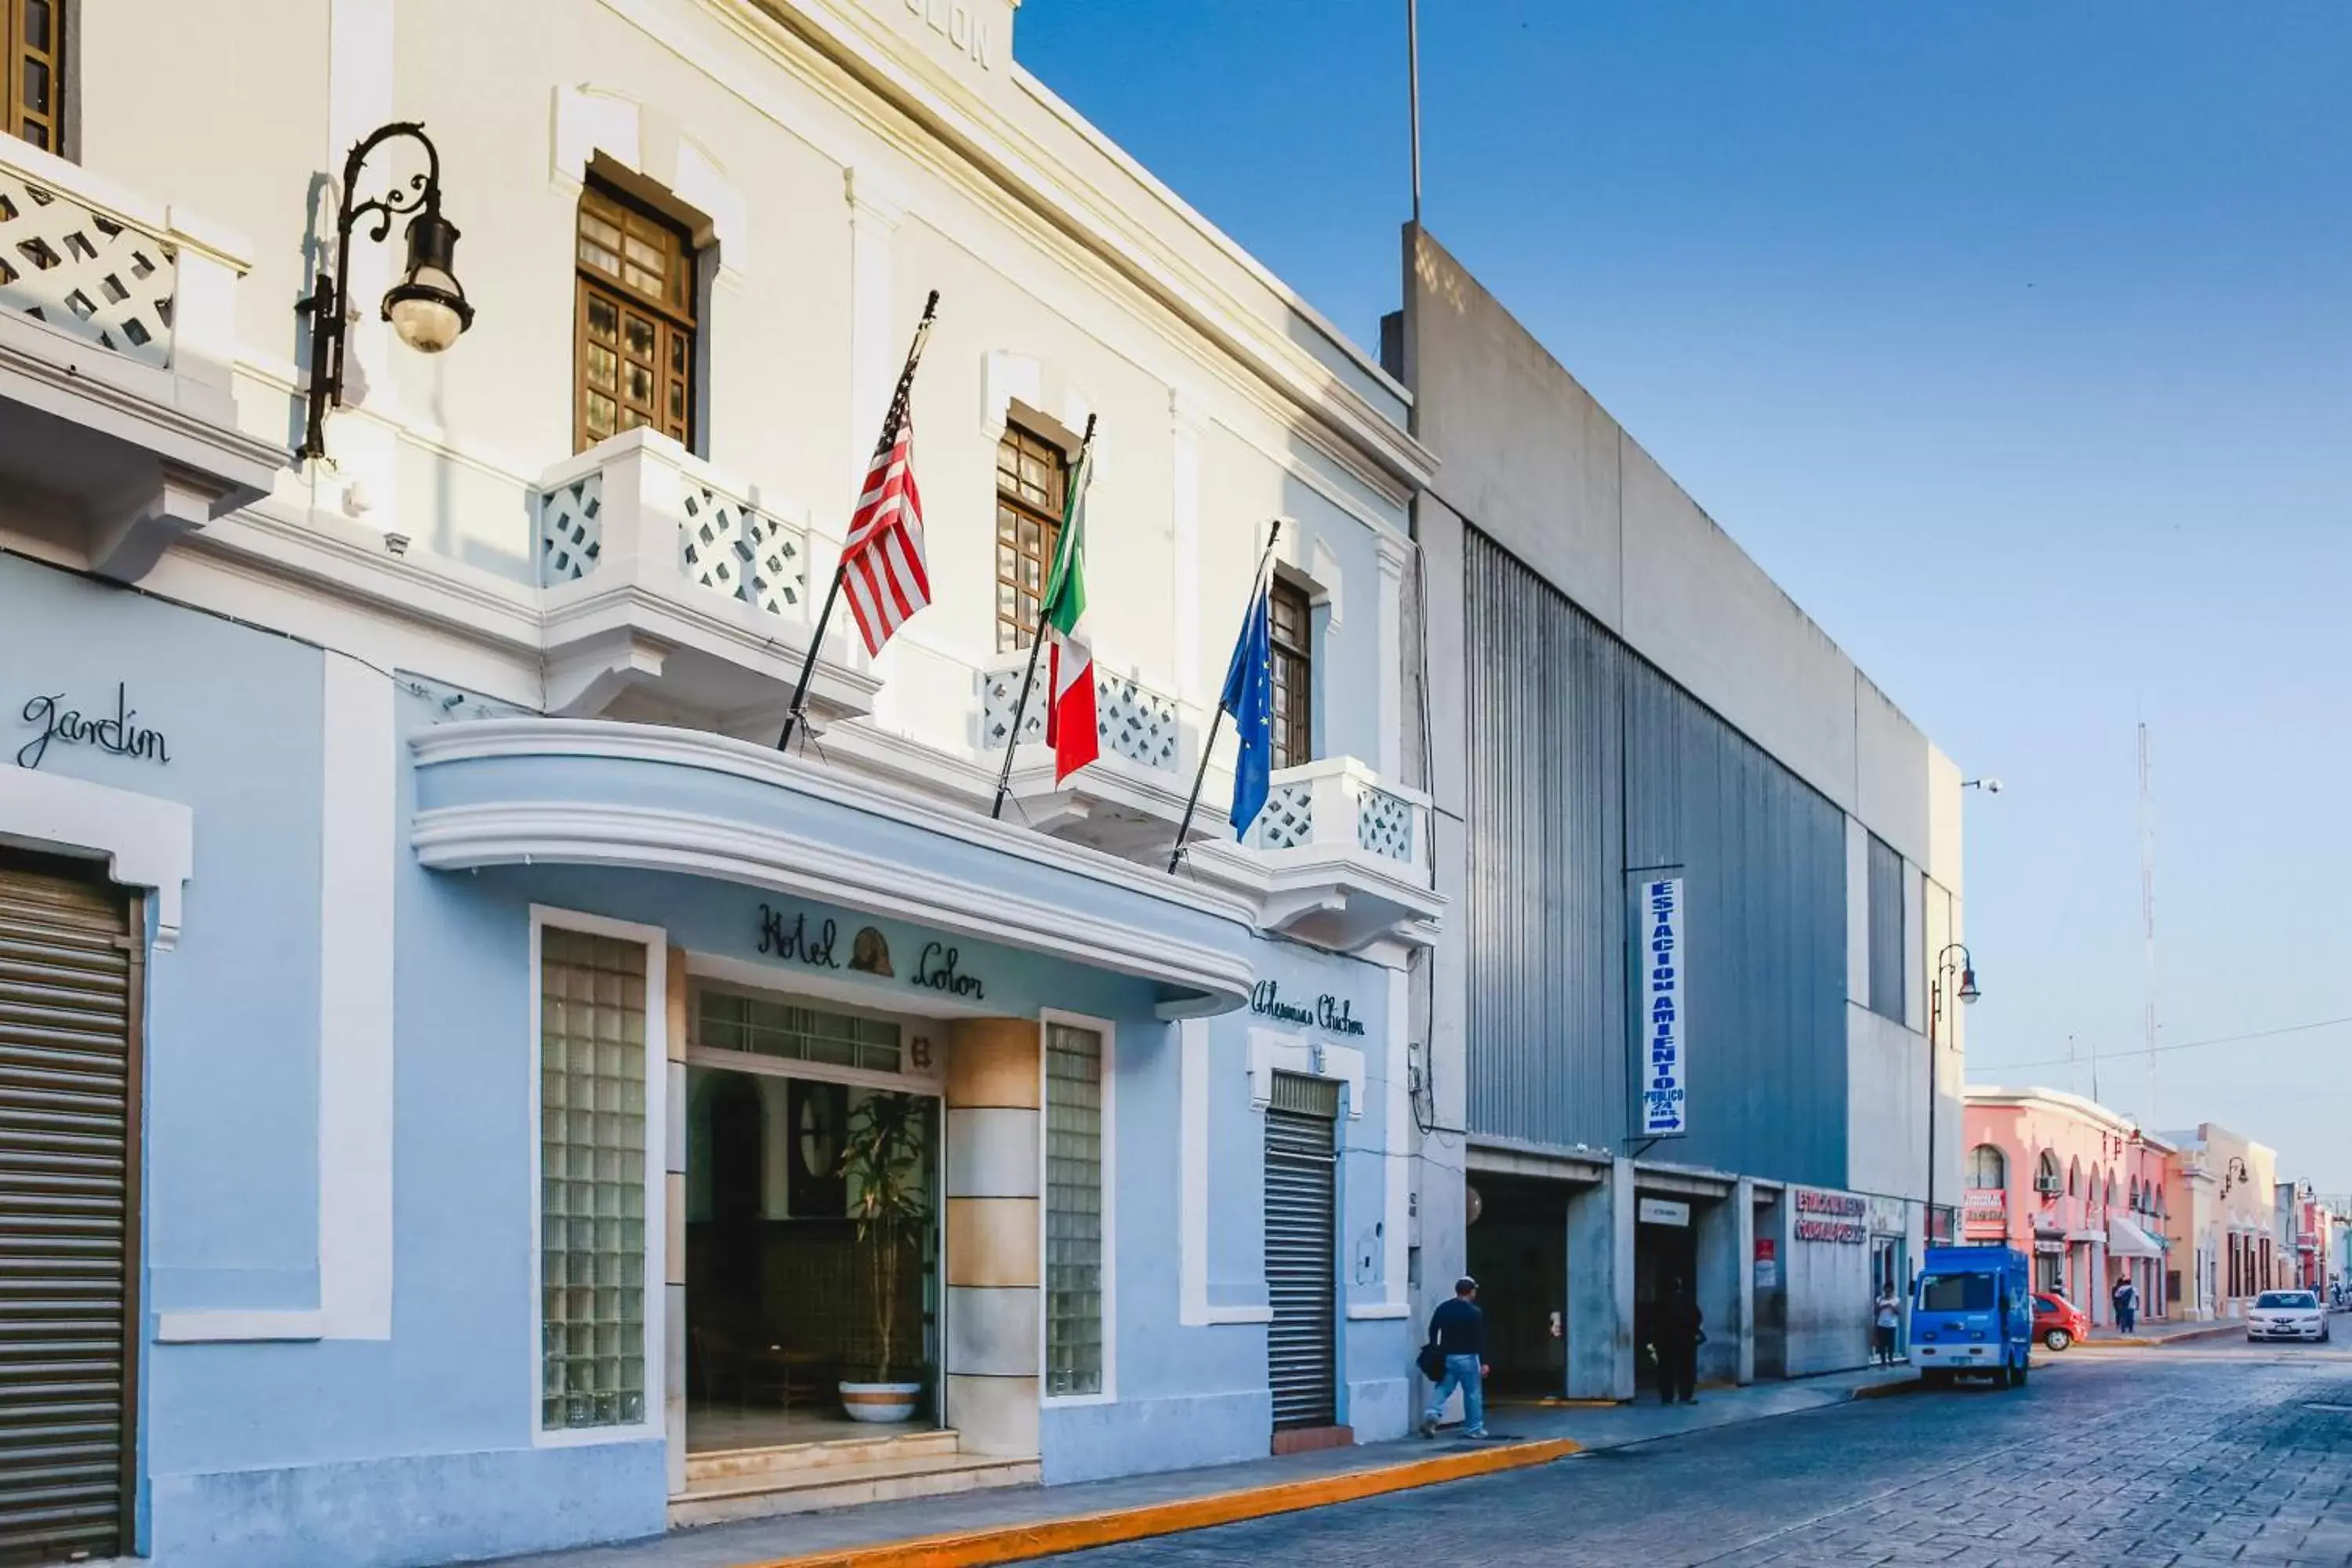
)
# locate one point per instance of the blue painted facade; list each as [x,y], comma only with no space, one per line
[422,1446]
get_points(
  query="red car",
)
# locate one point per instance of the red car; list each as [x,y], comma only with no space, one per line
[2058,1322]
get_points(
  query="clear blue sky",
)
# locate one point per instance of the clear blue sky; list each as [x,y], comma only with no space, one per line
[2013,337]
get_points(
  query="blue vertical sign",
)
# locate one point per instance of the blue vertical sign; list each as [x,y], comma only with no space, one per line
[1662,964]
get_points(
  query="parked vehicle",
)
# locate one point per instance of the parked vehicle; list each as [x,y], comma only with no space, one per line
[1972,1315]
[2058,1322]
[2287,1315]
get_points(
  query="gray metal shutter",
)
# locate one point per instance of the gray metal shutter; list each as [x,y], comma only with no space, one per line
[67,1187]
[1301,1250]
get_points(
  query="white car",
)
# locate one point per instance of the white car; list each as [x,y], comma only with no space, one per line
[2287,1315]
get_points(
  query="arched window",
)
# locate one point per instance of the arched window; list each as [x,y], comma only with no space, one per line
[1987,1168]
[2046,1173]
[2134,1195]
[2073,1177]
[2111,1188]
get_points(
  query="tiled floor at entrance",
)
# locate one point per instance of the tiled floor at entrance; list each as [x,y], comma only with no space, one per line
[714,1428]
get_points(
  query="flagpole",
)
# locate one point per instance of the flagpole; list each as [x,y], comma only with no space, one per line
[1037,633]
[1208,744]
[890,423]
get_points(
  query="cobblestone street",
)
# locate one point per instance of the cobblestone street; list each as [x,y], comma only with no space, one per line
[2215,1454]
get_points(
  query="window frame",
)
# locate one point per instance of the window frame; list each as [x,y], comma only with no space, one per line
[1294,672]
[14,50]
[1047,516]
[2001,1160]
[655,1327]
[1047,1019]
[672,321]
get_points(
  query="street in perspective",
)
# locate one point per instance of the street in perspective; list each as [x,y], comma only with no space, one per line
[878,783]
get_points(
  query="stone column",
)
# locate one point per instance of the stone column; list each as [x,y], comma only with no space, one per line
[994,1305]
[1601,1287]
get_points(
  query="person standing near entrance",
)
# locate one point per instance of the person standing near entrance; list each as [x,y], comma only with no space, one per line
[1679,1335]
[2127,1301]
[1888,1318]
[1457,1336]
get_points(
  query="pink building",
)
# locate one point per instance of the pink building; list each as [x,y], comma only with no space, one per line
[2077,1185]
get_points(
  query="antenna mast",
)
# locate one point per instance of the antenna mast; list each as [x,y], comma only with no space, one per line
[2148,912]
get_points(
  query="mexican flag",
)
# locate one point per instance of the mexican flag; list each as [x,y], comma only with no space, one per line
[1070,715]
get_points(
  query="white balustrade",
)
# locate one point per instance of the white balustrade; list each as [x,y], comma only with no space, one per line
[1338,803]
[1132,720]
[643,496]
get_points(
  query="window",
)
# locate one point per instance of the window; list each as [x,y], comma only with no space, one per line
[1073,1211]
[1887,953]
[633,348]
[2046,1173]
[34,93]
[1293,624]
[1956,1293]
[1987,1168]
[1030,474]
[2134,1195]
[728,1022]
[593,1175]
[2073,1177]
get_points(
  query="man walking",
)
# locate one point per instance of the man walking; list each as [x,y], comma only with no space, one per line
[1679,1337]
[2126,1300]
[1457,1333]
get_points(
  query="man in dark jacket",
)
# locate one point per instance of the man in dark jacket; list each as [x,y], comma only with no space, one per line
[1458,1331]
[1678,1339]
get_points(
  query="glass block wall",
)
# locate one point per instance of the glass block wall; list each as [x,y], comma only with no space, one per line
[592,1123]
[1073,1211]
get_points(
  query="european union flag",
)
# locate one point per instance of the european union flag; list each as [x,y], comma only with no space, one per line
[1249,697]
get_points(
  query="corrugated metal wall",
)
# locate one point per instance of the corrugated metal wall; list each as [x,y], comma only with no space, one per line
[1585,761]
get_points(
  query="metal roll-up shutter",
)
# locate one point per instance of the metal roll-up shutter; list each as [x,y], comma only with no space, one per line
[68,1186]
[1301,1250]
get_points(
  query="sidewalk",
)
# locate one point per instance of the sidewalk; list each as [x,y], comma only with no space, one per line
[1017,1523]
[2165,1333]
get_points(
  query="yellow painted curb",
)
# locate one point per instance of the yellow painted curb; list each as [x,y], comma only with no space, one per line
[1045,1537]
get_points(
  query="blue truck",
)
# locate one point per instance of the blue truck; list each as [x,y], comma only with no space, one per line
[1972,1315]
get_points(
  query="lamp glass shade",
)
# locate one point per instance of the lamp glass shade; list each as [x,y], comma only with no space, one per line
[1968,992]
[427,307]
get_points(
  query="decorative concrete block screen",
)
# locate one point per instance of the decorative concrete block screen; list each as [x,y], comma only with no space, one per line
[84,273]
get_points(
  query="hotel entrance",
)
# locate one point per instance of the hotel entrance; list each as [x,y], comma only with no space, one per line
[812,1259]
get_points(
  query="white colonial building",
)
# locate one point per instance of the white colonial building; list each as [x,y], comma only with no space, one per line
[432,1014]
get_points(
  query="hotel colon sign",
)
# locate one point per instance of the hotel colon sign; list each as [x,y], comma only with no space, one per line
[449,1023]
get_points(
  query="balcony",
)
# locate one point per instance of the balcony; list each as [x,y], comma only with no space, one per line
[673,593]
[1345,857]
[117,429]
[1129,800]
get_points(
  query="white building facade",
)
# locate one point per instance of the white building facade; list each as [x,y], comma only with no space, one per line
[443,1011]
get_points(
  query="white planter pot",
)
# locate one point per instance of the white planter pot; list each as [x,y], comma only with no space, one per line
[881,1402]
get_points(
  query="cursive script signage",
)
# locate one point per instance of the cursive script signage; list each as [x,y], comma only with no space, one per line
[796,938]
[1329,1012]
[70,726]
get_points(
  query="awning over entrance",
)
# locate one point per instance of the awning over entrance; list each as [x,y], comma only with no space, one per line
[2126,1239]
[505,791]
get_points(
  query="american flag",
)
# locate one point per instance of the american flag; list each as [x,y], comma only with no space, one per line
[882,560]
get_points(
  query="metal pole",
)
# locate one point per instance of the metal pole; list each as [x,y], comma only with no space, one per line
[1200,775]
[1412,92]
[881,449]
[1037,633]
[1935,1016]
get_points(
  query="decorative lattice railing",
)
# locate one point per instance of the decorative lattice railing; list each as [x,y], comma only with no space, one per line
[83,272]
[1133,720]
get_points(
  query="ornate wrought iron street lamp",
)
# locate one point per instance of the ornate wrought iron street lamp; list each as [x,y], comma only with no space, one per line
[1954,959]
[427,307]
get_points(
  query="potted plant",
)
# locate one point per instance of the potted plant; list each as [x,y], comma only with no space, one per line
[882,1162]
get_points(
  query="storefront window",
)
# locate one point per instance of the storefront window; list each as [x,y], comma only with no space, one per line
[1073,1211]
[592,1128]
